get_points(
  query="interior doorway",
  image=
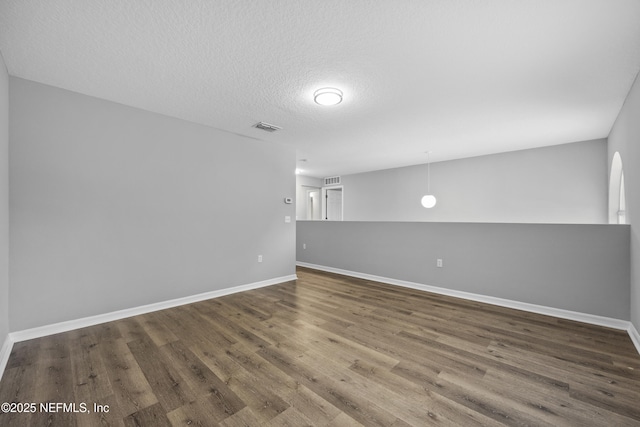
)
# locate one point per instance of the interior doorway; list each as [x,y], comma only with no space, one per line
[617,197]
[309,203]
[314,203]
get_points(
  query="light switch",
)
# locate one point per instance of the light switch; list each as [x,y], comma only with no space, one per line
[287,219]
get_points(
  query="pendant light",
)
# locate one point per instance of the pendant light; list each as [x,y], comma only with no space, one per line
[428,200]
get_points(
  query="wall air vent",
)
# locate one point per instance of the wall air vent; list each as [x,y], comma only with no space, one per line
[332,180]
[267,127]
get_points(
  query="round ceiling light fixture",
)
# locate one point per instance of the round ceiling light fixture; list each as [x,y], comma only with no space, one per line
[328,96]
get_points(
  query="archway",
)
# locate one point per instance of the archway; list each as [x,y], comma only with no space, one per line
[617,198]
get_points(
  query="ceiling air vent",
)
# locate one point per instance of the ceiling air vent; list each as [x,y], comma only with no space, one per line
[332,180]
[267,127]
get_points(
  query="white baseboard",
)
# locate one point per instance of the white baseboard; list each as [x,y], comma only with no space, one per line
[635,337]
[540,309]
[5,351]
[56,328]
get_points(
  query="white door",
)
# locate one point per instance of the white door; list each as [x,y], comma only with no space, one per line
[333,203]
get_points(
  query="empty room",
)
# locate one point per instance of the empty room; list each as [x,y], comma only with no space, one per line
[319,213]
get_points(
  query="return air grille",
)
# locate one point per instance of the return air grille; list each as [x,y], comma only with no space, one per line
[332,180]
[267,127]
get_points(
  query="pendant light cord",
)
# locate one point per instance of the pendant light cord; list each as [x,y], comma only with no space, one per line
[428,172]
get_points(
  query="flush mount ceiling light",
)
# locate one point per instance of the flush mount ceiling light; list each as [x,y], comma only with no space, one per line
[327,96]
[300,170]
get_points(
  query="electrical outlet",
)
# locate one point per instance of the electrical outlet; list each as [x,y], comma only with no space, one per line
[287,219]
[259,258]
[304,246]
[439,263]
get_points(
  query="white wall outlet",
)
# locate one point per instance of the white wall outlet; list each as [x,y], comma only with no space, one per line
[287,219]
[259,258]
[304,246]
[439,263]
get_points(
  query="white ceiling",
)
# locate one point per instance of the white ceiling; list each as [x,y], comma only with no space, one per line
[457,77]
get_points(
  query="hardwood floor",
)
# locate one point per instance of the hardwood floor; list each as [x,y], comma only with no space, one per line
[329,350]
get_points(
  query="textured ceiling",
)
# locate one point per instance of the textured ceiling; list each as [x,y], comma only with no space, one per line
[457,77]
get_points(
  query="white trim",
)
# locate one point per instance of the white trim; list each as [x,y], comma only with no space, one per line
[540,309]
[5,352]
[56,328]
[635,337]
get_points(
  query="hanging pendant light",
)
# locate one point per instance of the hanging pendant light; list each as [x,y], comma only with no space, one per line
[428,200]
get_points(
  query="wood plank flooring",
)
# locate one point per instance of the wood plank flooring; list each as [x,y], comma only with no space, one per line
[329,350]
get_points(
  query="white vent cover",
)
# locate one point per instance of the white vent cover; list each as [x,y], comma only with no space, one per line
[332,180]
[266,126]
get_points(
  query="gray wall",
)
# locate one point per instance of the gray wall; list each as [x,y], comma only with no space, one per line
[577,267]
[625,138]
[559,184]
[114,207]
[4,201]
